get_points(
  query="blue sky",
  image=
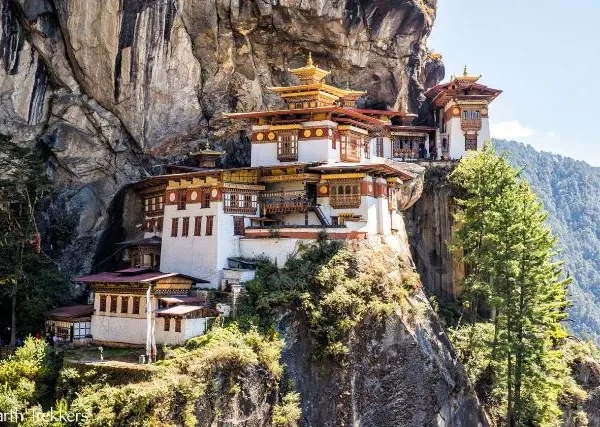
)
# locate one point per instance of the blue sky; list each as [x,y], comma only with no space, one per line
[544,55]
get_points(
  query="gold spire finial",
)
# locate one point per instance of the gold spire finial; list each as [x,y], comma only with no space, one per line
[309,61]
[465,72]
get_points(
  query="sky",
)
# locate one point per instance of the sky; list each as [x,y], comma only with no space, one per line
[544,55]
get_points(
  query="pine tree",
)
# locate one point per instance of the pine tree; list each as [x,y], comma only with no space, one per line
[509,251]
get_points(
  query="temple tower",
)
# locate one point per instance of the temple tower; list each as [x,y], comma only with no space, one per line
[461,113]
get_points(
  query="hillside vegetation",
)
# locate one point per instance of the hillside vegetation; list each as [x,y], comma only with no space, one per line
[570,192]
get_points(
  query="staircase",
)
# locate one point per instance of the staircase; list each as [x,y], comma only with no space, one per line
[322,218]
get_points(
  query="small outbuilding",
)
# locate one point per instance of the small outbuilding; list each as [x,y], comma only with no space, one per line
[70,324]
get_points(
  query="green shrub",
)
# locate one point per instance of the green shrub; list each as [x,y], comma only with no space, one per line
[334,286]
[288,412]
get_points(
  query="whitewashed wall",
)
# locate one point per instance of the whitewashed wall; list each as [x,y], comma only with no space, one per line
[194,327]
[127,330]
[199,256]
[457,138]
[277,250]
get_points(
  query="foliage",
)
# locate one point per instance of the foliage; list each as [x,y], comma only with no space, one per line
[287,413]
[27,376]
[570,192]
[334,286]
[510,251]
[167,400]
[29,280]
[208,367]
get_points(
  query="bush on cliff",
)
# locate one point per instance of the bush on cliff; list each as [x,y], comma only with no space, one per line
[334,286]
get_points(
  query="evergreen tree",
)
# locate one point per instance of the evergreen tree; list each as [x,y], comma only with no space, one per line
[28,279]
[509,251]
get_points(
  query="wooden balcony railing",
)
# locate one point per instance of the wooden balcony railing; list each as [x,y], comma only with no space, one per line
[470,124]
[284,201]
[239,210]
[406,153]
[345,201]
[288,157]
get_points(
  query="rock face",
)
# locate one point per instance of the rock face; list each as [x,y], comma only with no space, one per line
[403,372]
[429,225]
[105,86]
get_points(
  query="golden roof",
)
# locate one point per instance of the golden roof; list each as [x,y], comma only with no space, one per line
[466,77]
[207,152]
[310,73]
[311,77]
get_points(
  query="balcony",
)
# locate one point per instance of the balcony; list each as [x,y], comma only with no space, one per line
[345,201]
[239,210]
[406,153]
[470,124]
[283,202]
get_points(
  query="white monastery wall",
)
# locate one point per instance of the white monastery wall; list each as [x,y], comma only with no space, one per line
[313,150]
[128,330]
[264,154]
[196,256]
[228,245]
[194,327]
[457,138]
[277,250]
[484,133]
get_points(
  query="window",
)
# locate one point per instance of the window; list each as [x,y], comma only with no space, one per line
[167,323]
[174,227]
[113,304]
[186,227]
[238,226]
[102,303]
[181,201]
[82,329]
[178,324]
[287,146]
[240,203]
[334,220]
[136,305]
[379,146]
[124,304]
[161,204]
[367,150]
[147,205]
[198,226]
[205,200]
[349,149]
[209,225]
[247,200]
[408,147]
[471,141]
[345,195]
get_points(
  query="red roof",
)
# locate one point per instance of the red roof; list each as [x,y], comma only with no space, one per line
[71,312]
[352,112]
[446,88]
[412,128]
[380,112]
[115,277]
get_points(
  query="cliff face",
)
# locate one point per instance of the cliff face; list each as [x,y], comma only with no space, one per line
[401,373]
[106,86]
[429,225]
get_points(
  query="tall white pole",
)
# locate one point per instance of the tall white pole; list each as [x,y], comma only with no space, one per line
[148,325]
